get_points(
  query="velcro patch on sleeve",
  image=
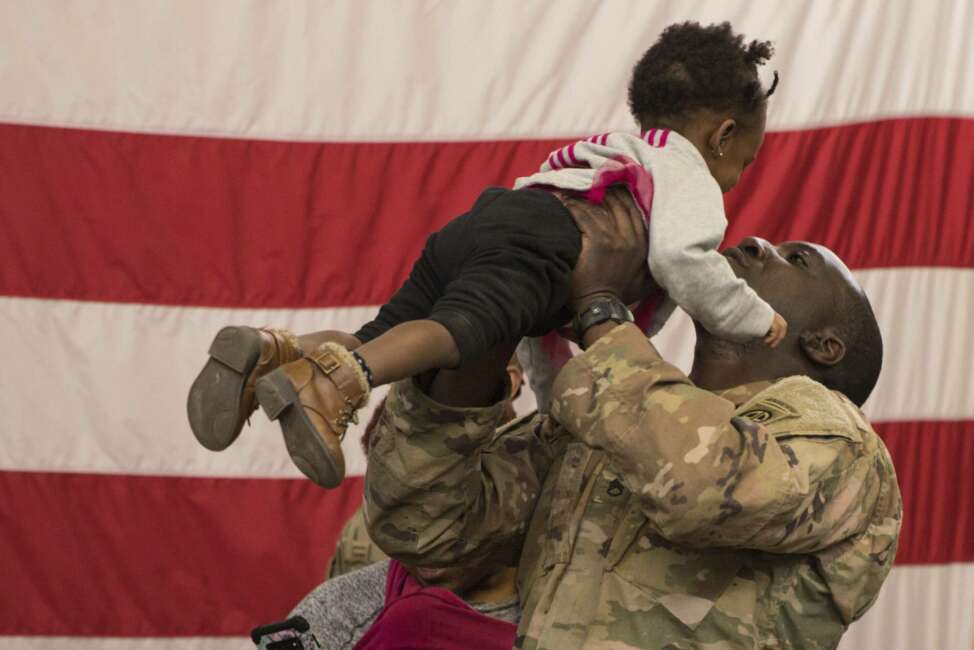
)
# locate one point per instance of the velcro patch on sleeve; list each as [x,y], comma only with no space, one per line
[769,410]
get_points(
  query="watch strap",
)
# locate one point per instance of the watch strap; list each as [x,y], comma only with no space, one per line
[598,312]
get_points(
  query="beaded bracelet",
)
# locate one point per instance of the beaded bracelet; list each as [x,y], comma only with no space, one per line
[365,368]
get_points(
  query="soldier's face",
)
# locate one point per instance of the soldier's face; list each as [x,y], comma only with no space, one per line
[802,281]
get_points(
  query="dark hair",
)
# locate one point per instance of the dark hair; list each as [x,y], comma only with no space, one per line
[856,375]
[694,67]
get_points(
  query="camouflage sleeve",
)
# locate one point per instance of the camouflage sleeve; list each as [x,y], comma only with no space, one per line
[444,486]
[705,476]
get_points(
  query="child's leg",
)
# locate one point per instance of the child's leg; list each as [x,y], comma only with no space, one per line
[414,300]
[409,349]
[312,340]
[502,271]
[315,397]
[517,282]
[512,283]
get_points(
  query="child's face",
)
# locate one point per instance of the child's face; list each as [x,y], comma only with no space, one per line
[739,147]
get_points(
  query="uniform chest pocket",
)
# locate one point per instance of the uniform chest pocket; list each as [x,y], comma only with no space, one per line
[686,582]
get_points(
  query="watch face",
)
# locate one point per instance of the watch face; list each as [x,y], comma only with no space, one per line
[600,312]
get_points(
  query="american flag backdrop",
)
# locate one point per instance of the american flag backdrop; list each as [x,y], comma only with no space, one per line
[170,167]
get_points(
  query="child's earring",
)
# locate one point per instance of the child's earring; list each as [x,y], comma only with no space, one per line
[718,153]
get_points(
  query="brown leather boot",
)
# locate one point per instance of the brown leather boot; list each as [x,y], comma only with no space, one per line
[314,399]
[222,397]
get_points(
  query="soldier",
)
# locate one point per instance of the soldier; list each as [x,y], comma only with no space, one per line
[747,505]
[355,549]
[343,610]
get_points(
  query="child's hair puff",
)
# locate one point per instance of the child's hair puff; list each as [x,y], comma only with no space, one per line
[695,67]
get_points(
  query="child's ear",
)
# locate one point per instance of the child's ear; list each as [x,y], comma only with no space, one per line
[727,129]
[719,137]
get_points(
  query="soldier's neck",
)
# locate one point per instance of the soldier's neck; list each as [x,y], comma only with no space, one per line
[716,375]
[719,364]
[498,587]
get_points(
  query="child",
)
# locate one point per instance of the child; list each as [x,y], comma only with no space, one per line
[503,270]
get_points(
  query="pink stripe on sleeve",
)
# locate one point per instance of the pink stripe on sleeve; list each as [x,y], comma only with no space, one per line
[571,155]
[561,158]
[649,136]
[663,136]
[552,162]
[604,137]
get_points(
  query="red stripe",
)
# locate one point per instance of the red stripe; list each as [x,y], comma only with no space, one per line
[96,555]
[202,221]
[150,556]
[662,139]
[603,139]
[649,136]
[552,162]
[890,193]
[934,462]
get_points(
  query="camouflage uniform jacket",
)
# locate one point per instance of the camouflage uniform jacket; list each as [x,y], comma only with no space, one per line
[649,513]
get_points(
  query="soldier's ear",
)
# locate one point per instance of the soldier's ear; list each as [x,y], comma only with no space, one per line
[823,347]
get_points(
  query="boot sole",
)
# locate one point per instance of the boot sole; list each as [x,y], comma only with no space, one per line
[276,395]
[213,405]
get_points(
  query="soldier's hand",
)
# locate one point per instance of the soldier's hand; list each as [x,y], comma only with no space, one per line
[614,247]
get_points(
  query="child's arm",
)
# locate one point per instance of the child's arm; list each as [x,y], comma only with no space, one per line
[686,226]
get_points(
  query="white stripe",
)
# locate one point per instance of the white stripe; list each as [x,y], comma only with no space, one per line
[375,70]
[920,607]
[101,387]
[925,315]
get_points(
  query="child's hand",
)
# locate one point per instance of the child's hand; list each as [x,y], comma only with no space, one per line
[779,327]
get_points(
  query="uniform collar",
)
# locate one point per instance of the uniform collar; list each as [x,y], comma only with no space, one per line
[740,394]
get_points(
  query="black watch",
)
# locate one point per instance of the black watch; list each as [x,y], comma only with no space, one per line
[600,311]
